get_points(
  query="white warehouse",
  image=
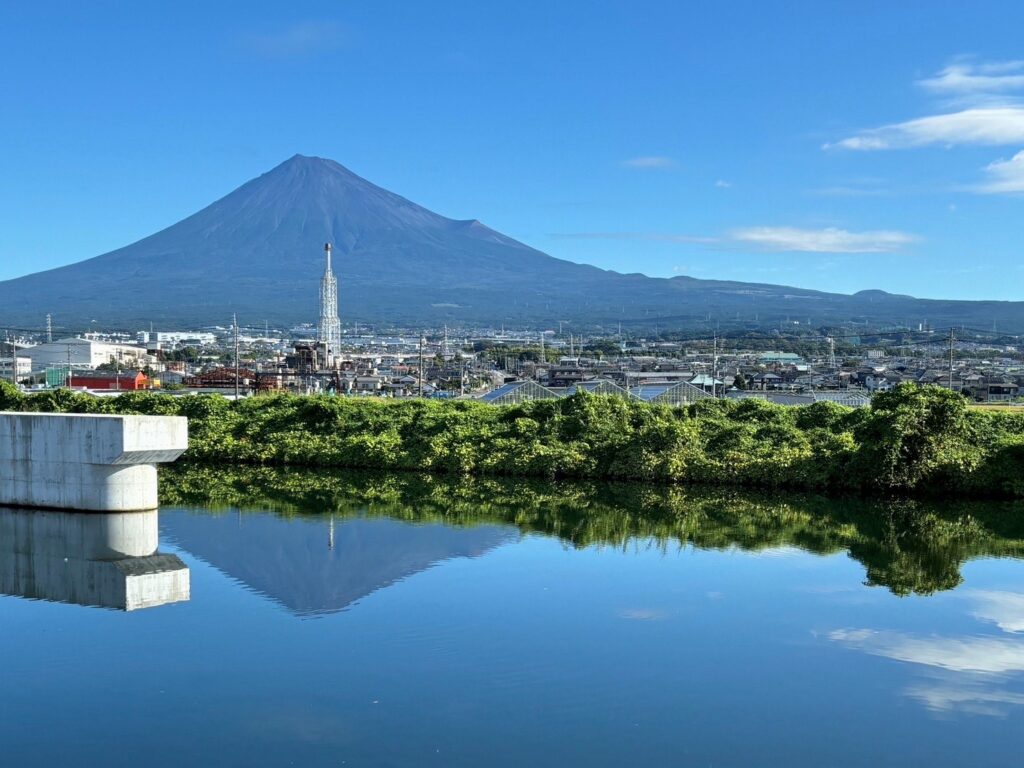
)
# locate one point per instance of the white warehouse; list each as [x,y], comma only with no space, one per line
[85,353]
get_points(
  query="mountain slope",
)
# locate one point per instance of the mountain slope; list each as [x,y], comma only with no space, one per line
[257,252]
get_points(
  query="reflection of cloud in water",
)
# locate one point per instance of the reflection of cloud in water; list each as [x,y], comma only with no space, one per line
[1004,609]
[971,696]
[974,670]
[781,551]
[829,589]
[969,654]
[643,614]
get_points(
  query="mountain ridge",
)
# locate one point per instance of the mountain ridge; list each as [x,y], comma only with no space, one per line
[256,252]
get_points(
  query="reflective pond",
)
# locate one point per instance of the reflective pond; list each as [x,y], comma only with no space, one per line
[289,618]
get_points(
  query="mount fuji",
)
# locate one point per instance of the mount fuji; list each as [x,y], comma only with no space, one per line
[258,252]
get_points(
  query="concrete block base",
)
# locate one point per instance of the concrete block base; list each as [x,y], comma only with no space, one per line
[86,462]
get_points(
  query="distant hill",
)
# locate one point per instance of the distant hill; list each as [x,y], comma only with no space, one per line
[258,252]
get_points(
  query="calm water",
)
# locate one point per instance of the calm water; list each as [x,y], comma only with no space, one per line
[387,624]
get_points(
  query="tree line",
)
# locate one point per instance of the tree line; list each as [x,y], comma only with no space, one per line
[912,440]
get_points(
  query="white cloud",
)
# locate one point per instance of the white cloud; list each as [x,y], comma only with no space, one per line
[780,239]
[1004,176]
[966,78]
[650,162]
[1004,609]
[723,184]
[993,126]
[828,240]
[297,39]
[988,111]
[990,655]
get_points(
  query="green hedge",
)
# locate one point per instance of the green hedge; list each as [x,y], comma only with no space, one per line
[922,440]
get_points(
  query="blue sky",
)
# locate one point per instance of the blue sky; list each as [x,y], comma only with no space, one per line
[838,146]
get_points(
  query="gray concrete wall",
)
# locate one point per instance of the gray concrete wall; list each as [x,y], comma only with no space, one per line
[86,462]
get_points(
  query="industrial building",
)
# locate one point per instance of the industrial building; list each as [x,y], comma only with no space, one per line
[162,339]
[85,353]
[23,367]
[128,381]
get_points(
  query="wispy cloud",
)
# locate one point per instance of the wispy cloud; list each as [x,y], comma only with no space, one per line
[778,239]
[971,79]
[1004,176]
[827,240]
[643,614]
[649,162]
[297,39]
[983,105]
[864,186]
[665,236]
[723,184]
[981,125]
[990,111]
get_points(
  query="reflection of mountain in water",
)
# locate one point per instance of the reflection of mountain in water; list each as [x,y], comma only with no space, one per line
[907,546]
[317,565]
[107,560]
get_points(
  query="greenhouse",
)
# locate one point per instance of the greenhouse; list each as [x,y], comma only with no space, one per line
[598,387]
[518,392]
[682,393]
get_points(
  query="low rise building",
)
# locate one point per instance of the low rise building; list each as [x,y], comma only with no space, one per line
[128,381]
[85,353]
[22,368]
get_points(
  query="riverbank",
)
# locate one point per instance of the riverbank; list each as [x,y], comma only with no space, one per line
[914,441]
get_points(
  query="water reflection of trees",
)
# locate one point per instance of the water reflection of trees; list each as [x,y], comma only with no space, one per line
[910,547]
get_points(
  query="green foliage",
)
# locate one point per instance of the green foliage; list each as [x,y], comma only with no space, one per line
[909,547]
[914,433]
[911,441]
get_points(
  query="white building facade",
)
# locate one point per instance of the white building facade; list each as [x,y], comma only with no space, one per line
[85,353]
[23,367]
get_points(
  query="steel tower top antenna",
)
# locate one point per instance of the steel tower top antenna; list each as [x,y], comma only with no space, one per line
[328,328]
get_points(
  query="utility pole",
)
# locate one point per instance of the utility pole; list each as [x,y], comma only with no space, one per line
[234,324]
[420,373]
[14,358]
[950,358]
[69,366]
[714,368]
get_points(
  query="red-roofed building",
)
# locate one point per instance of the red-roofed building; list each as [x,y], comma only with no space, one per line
[127,381]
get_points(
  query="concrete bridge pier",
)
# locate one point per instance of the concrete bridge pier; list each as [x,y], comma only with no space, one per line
[86,462]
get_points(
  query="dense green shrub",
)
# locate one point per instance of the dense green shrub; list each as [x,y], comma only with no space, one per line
[911,440]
